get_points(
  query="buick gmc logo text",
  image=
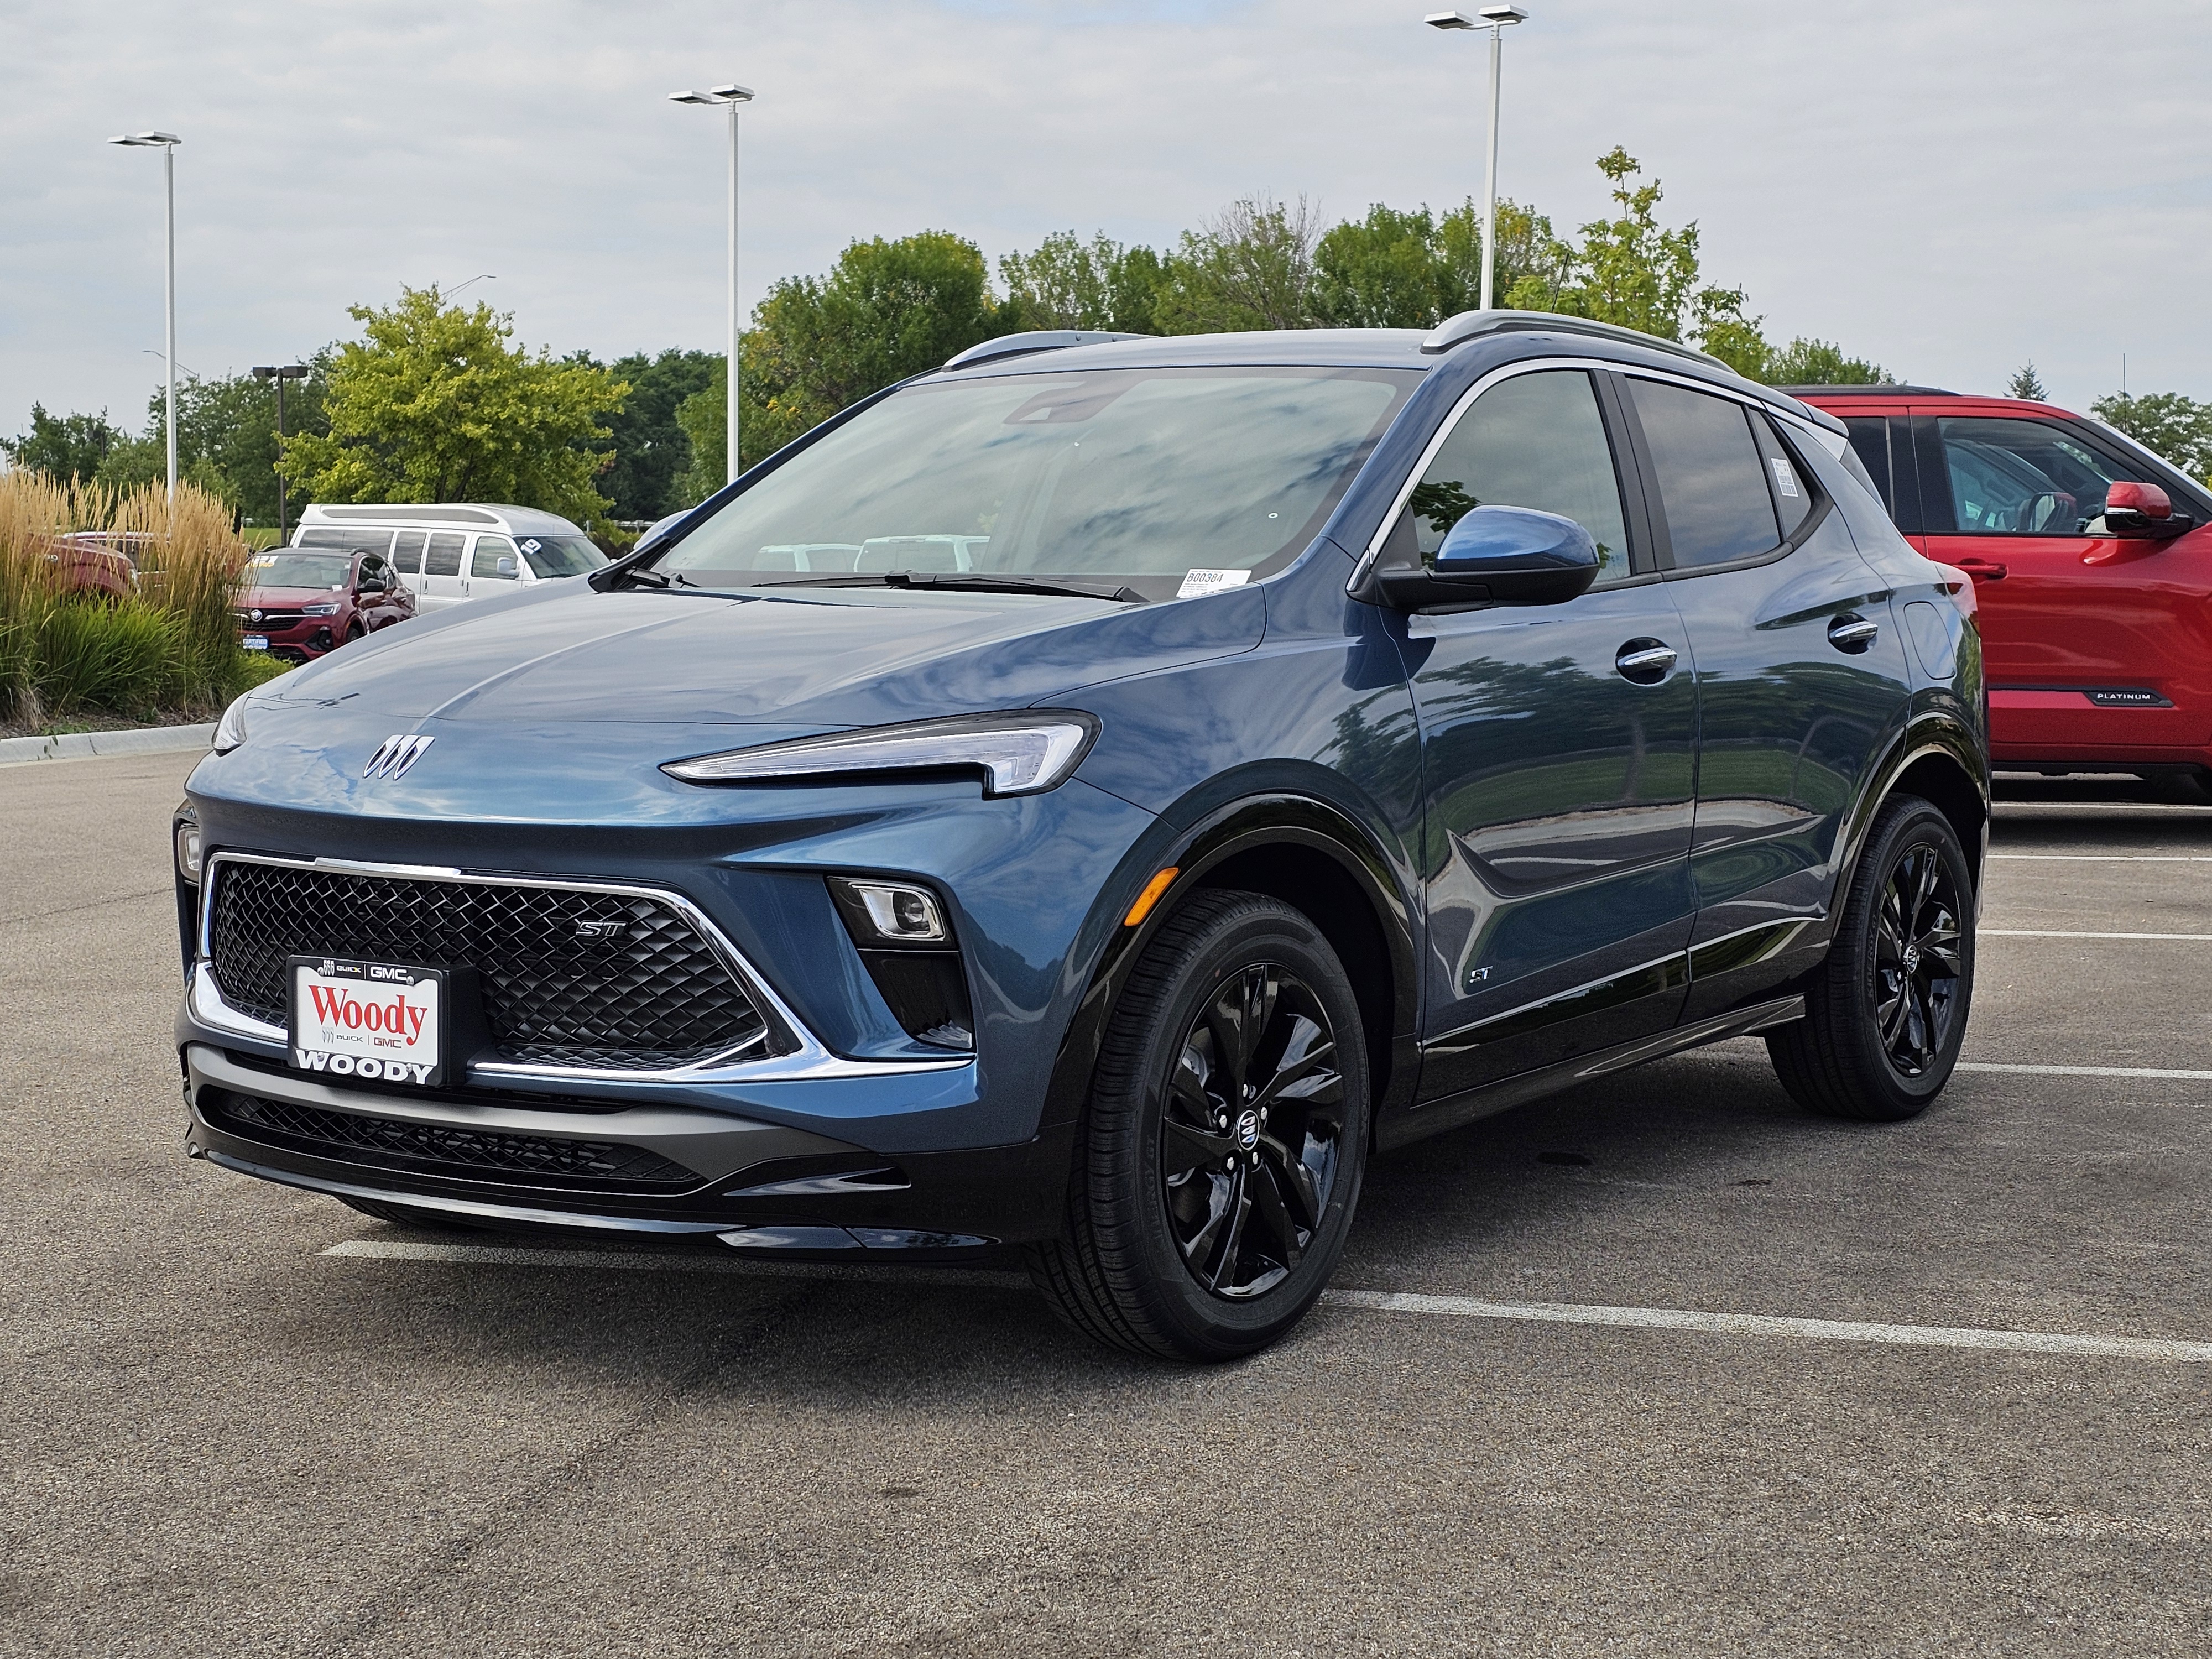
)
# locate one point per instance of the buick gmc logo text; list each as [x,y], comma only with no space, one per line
[395,754]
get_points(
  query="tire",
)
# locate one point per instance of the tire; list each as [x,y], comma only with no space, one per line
[354,631]
[2189,788]
[406,1215]
[1163,1252]
[1862,1052]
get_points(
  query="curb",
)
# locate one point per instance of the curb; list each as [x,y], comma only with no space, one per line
[91,745]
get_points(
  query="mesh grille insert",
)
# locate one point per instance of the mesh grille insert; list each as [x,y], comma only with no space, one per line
[647,993]
[441,1149]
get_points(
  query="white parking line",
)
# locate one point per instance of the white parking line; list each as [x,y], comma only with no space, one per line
[1401,1302]
[2104,858]
[1824,1330]
[2085,1071]
[2050,932]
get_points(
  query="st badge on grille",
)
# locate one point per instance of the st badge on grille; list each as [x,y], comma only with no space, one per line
[395,754]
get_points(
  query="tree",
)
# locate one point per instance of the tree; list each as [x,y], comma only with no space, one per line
[2167,423]
[1069,283]
[652,452]
[1387,270]
[63,446]
[432,404]
[1806,362]
[1629,270]
[1250,267]
[2026,384]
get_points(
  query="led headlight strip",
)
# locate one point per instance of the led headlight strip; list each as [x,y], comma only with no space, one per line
[1024,752]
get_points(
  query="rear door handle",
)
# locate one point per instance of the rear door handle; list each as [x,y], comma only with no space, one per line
[1645,662]
[1988,569]
[1852,633]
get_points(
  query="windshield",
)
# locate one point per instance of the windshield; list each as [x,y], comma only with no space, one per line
[1147,477]
[562,556]
[298,570]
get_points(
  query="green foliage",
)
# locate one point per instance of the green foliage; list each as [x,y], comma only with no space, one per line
[1069,283]
[651,451]
[2168,424]
[1250,267]
[1629,270]
[1821,362]
[432,404]
[63,446]
[1386,270]
[2026,383]
[124,657]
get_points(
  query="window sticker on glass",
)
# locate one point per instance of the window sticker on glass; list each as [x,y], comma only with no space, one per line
[531,546]
[1786,477]
[1197,582]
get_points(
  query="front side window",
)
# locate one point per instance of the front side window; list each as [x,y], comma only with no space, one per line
[1134,477]
[1535,441]
[1712,480]
[2011,478]
[495,561]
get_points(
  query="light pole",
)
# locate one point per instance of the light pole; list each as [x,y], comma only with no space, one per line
[167,142]
[732,95]
[1497,19]
[287,372]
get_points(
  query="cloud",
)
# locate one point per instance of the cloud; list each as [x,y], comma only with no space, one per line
[1948,190]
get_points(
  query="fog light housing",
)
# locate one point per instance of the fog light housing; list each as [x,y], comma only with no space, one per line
[190,853]
[905,941]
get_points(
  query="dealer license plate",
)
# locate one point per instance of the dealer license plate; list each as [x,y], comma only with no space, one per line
[368,1019]
[255,641]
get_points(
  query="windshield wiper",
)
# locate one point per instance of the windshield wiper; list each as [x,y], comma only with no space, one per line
[966,581]
[646,576]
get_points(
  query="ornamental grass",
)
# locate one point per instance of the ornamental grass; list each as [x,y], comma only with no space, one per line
[169,647]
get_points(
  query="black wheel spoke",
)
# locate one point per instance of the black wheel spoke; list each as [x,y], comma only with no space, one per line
[1250,1125]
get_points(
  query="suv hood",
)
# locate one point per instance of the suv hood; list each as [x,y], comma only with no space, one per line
[851,657]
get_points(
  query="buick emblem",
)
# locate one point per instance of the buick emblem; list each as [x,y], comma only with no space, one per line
[253,616]
[1247,1129]
[395,754]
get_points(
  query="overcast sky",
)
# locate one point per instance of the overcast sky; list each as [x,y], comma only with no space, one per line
[1950,188]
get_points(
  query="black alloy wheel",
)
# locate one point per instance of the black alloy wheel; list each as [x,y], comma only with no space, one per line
[1252,1131]
[1218,1162]
[1887,1012]
[1916,964]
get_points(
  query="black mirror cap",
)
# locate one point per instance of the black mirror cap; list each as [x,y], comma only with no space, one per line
[2127,525]
[1424,592]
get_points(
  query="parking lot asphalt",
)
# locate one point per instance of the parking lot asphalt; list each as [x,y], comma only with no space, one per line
[221,1438]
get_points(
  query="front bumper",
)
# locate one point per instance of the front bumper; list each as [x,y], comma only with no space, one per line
[752,1184]
[300,642]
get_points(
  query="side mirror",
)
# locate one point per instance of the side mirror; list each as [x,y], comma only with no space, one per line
[2135,509]
[1498,556]
[507,567]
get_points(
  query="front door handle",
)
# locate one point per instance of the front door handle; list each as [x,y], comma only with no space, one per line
[1988,570]
[1852,633]
[1645,662]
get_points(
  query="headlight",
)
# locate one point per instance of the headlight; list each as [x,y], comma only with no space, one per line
[1022,753]
[325,610]
[230,730]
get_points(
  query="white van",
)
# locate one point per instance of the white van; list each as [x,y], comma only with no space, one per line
[449,554]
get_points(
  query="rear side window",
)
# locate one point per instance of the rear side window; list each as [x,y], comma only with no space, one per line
[1871,443]
[1536,441]
[353,541]
[407,552]
[1713,479]
[1792,490]
[445,555]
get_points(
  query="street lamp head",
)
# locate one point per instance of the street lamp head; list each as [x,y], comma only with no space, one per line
[264,373]
[732,94]
[293,372]
[1499,16]
[146,140]
[1450,20]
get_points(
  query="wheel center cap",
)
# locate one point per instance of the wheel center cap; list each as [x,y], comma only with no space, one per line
[1248,1130]
[1912,958]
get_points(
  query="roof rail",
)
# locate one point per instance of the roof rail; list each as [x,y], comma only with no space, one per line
[1471,325]
[1040,339]
[1883,389]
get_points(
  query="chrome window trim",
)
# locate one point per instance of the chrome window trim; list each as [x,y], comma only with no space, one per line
[810,1059]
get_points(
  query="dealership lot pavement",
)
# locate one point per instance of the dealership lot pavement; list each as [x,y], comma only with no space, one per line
[244,1420]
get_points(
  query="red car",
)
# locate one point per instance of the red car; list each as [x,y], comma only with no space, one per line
[102,563]
[2092,561]
[300,602]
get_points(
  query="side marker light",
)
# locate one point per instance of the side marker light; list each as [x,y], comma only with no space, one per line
[1145,900]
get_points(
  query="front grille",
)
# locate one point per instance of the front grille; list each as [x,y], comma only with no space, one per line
[271,619]
[648,995]
[442,1150]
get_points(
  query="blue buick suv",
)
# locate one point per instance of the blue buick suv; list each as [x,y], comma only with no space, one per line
[1091,797]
